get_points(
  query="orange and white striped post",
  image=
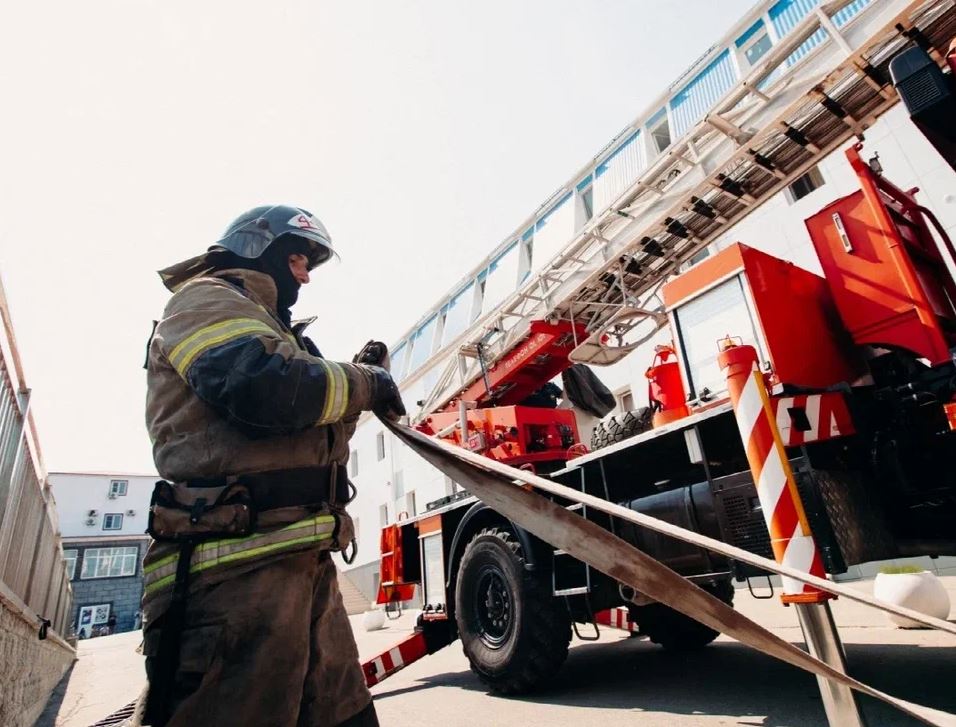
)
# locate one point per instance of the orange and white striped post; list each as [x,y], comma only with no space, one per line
[790,535]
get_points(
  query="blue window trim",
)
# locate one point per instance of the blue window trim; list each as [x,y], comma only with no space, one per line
[543,219]
[686,92]
[584,183]
[749,33]
[602,167]
[502,255]
[655,119]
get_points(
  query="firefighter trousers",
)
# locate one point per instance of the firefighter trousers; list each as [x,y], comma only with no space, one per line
[272,646]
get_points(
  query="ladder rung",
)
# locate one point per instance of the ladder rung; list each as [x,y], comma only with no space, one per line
[580,590]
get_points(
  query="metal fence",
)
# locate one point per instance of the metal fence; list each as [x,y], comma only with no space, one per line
[33,577]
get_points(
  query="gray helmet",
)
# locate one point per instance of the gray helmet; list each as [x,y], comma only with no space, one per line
[251,234]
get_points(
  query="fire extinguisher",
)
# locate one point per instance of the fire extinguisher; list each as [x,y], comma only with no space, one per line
[665,389]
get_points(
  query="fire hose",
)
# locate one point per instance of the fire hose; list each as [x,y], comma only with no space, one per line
[516,494]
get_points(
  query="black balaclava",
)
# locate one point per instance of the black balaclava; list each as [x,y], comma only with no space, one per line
[275,263]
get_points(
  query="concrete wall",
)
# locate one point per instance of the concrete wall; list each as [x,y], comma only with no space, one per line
[365,578]
[29,668]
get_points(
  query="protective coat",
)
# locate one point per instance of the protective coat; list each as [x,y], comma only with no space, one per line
[233,391]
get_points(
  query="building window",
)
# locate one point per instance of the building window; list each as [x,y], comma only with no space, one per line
[109,562]
[660,131]
[380,446]
[118,488]
[410,504]
[803,185]
[113,521]
[383,514]
[585,202]
[697,257]
[755,51]
[625,400]
[69,556]
[353,463]
[754,43]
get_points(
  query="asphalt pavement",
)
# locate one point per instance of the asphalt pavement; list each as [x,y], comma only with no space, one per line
[613,681]
[622,681]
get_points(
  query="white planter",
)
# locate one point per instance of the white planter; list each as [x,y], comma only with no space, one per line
[373,620]
[922,592]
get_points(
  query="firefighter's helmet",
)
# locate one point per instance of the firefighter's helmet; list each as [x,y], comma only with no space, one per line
[253,232]
[249,236]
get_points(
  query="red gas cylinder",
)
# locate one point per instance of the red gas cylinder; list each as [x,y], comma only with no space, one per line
[665,389]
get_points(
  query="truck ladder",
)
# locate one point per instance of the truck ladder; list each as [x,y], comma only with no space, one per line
[776,123]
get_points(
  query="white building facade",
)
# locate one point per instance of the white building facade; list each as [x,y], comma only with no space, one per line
[103,524]
[393,482]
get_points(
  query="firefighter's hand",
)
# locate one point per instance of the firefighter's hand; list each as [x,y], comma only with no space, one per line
[386,399]
[374,353]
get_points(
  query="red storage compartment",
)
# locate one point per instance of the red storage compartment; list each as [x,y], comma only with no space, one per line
[883,268]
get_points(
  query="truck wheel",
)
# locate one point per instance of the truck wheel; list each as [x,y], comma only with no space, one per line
[672,629]
[620,427]
[515,633]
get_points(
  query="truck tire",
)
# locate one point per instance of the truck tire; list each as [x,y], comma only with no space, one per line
[514,632]
[620,427]
[675,631]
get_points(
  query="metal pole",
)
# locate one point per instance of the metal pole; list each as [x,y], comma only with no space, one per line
[790,535]
[823,642]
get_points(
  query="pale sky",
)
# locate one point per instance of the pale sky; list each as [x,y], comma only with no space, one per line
[420,132]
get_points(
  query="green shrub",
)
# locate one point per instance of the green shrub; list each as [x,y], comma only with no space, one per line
[896,569]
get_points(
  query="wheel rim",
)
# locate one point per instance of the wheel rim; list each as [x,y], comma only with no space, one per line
[493,607]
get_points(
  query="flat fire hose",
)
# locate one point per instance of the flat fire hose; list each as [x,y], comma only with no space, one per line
[506,490]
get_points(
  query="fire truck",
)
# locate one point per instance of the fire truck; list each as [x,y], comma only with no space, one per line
[859,360]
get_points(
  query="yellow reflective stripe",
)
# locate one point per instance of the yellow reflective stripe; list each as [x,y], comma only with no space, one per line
[329,392]
[261,550]
[343,390]
[336,393]
[207,555]
[241,555]
[147,569]
[205,338]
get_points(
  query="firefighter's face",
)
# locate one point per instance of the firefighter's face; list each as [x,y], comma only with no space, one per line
[299,265]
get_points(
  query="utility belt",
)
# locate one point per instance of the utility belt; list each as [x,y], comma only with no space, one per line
[214,522]
[230,506]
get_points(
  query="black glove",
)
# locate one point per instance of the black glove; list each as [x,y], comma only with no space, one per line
[373,353]
[386,399]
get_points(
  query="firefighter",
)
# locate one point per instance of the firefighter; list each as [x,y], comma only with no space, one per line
[244,622]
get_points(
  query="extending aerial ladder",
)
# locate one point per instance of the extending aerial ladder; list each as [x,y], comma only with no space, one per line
[775,124]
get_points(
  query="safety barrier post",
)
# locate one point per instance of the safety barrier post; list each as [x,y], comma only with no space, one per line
[790,535]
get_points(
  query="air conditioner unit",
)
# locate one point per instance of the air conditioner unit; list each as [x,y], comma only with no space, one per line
[112,496]
[131,513]
[91,521]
